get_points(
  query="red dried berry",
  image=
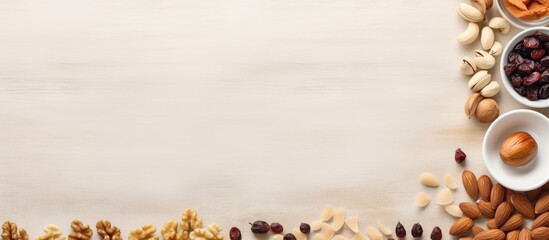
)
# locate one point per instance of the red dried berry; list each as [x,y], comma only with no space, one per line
[305,228]
[260,227]
[537,54]
[289,236]
[417,230]
[400,231]
[531,79]
[277,228]
[531,42]
[235,234]
[459,156]
[436,234]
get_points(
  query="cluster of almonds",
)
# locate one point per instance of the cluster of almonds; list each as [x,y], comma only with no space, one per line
[505,209]
[480,104]
[327,231]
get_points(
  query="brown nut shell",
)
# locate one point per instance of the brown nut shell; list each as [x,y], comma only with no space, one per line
[487,110]
[518,149]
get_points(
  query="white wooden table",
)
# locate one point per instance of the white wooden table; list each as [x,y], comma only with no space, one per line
[134,110]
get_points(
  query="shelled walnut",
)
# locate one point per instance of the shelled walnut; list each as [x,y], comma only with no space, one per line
[189,222]
[9,232]
[106,231]
[170,231]
[213,232]
[79,231]
[146,232]
[51,232]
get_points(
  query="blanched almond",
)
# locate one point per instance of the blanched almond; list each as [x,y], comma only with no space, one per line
[327,213]
[327,231]
[319,236]
[299,235]
[444,197]
[277,237]
[338,237]
[339,219]
[422,199]
[383,228]
[453,210]
[374,233]
[316,225]
[450,181]
[360,236]
[352,223]
[428,179]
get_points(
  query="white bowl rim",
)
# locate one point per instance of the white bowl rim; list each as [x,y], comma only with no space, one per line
[489,132]
[505,80]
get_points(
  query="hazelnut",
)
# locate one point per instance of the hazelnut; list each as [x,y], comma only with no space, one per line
[487,110]
[518,149]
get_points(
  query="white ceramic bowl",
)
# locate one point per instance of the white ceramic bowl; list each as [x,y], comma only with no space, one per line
[542,103]
[518,22]
[531,175]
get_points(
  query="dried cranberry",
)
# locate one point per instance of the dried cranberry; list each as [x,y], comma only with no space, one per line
[545,77]
[531,42]
[515,58]
[289,236]
[525,69]
[541,36]
[521,90]
[543,92]
[544,61]
[531,79]
[417,230]
[305,228]
[277,228]
[400,231]
[459,156]
[260,227]
[235,234]
[538,67]
[516,80]
[532,93]
[436,234]
[537,54]
[509,68]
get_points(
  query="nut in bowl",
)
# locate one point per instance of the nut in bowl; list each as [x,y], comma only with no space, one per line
[522,177]
[524,67]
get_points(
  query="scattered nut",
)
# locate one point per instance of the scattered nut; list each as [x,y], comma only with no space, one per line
[450,181]
[480,5]
[470,13]
[51,232]
[484,60]
[499,23]
[374,233]
[146,232]
[422,199]
[470,34]
[383,228]
[472,104]
[9,232]
[487,111]
[80,231]
[487,38]
[327,213]
[453,210]
[106,231]
[339,219]
[492,89]
[428,179]
[352,223]
[496,49]
[479,80]
[467,66]
[444,197]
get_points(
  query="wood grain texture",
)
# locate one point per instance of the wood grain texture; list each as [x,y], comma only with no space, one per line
[244,110]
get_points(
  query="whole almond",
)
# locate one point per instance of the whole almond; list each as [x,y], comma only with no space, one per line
[470,183]
[508,194]
[513,235]
[492,234]
[542,205]
[533,194]
[540,233]
[461,226]
[470,210]
[486,208]
[484,187]
[491,224]
[515,222]
[523,205]
[503,212]
[525,234]
[497,195]
[541,221]
[465,238]
[476,230]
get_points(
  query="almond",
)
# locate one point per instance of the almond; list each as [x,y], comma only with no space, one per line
[470,210]
[461,226]
[503,212]
[513,235]
[491,224]
[492,234]
[513,223]
[542,205]
[541,221]
[476,230]
[533,194]
[485,208]
[470,183]
[508,194]
[524,234]
[497,195]
[428,179]
[523,205]
[465,238]
[540,233]
[484,187]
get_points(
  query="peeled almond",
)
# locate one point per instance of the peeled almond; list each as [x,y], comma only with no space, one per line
[339,219]
[327,213]
[299,235]
[352,223]
[338,237]
[316,225]
[319,236]
[444,197]
[383,228]
[450,181]
[359,236]
[453,210]
[277,237]
[422,199]
[428,179]
[327,231]
[374,233]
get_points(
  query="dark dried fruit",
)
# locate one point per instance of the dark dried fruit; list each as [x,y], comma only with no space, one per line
[260,227]
[543,92]
[532,93]
[305,228]
[531,42]
[544,61]
[516,80]
[545,77]
[277,228]
[541,36]
[509,68]
[400,231]
[514,58]
[526,67]
[537,54]
[289,236]
[459,156]
[417,230]
[538,67]
[235,234]
[531,79]
[436,234]
[521,90]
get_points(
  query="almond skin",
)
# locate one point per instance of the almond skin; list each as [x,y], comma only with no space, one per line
[541,221]
[515,222]
[540,233]
[518,149]
[470,210]
[461,226]
[485,208]
[470,183]
[476,230]
[503,212]
[497,195]
[525,234]
[542,205]
[523,205]
[484,187]
[491,224]
[513,235]
[492,234]
[533,194]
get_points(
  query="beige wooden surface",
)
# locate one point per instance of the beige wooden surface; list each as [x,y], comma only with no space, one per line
[244,110]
